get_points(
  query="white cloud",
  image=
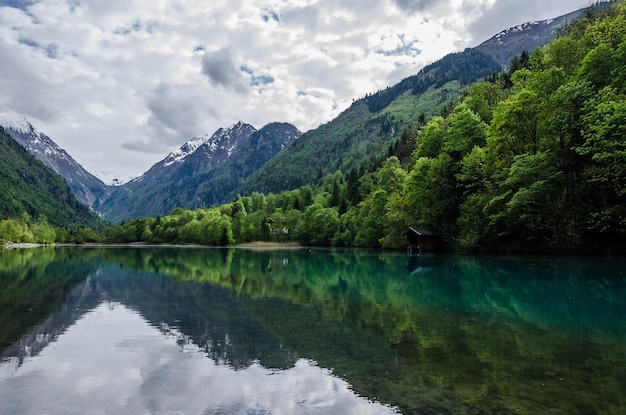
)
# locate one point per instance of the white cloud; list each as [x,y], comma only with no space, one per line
[120,83]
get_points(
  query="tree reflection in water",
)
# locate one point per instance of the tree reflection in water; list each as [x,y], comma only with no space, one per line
[424,334]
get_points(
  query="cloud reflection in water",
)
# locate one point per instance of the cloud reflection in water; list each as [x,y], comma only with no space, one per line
[112,361]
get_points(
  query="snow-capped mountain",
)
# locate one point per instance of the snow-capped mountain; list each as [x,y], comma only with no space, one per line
[524,37]
[204,171]
[208,151]
[87,188]
[185,150]
[11,120]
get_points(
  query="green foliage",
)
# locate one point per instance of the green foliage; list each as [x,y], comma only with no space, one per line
[530,159]
[319,225]
[27,186]
[42,232]
[483,97]
[430,139]
[369,226]
[514,129]
[15,231]
[431,192]
[563,53]
[550,175]
[363,133]
[465,131]
[604,148]
[26,230]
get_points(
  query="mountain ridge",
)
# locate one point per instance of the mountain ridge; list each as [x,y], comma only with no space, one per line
[511,42]
[207,145]
[28,186]
[364,133]
[205,170]
[202,173]
[87,188]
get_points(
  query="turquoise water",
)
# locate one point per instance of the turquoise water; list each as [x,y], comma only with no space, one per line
[237,331]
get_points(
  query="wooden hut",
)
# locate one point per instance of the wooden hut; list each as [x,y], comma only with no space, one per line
[424,240]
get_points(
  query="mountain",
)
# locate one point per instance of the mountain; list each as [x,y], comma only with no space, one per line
[28,186]
[511,42]
[210,170]
[219,185]
[364,133]
[205,171]
[202,153]
[87,188]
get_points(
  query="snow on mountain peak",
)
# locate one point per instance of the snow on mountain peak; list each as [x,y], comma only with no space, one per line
[10,119]
[212,141]
[185,150]
[520,28]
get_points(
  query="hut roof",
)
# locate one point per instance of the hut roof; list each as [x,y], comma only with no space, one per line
[423,232]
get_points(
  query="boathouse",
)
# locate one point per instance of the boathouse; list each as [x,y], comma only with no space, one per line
[424,240]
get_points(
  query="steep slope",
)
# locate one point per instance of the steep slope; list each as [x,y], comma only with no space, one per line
[87,188]
[220,184]
[204,171]
[525,37]
[365,131]
[28,186]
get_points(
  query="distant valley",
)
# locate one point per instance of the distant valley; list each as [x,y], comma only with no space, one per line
[205,171]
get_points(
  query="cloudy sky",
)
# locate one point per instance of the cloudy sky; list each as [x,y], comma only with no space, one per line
[121,83]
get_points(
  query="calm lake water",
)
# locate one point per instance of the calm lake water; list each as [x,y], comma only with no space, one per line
[236,331]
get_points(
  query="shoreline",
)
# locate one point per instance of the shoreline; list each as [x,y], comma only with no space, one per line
[16,245]
[268,246]
[256,245]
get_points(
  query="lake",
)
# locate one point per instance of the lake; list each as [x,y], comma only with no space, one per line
[147,330]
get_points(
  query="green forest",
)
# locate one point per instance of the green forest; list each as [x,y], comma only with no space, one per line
[531,159]
[35,203]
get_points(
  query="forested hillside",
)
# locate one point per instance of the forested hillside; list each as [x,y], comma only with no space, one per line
[532,159]
[536,163]
[363,133]
[87,188]
[358,140]
[30,190]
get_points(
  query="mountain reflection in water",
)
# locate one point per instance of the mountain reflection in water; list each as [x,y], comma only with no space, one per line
[113,361]
[299,331]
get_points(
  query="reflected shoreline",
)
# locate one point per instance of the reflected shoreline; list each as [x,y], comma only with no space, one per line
[432,333]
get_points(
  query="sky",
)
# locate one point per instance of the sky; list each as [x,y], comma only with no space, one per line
[119,84]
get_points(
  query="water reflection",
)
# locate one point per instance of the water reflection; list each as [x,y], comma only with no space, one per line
[423,334]
[138,370]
